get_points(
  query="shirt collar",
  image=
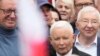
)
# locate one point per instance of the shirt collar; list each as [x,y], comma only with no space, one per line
[95,41]
[77,40]
[68,54]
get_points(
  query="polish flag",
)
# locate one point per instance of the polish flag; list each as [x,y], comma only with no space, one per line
[33,29]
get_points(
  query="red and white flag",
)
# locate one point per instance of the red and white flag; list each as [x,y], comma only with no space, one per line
[33,29]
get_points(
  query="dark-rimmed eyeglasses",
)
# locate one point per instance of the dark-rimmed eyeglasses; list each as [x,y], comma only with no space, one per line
[8,11]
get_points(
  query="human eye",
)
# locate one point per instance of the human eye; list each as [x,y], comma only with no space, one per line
[67,7]
[94,21]
[65,38]
[60,6]
[56,38]
[7,11]
[84,21]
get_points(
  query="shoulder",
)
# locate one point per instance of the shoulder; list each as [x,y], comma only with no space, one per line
[80,53]
[83,54]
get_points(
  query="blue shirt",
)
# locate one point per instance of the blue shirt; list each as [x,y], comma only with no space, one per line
[8,42]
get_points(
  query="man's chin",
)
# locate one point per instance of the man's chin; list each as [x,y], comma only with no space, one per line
[63,52]
[89,35]
[65,18]
[10,26]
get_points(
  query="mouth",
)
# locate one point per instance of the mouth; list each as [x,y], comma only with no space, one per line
[63,14]
[46,19]
[10,20]
[89,31]
[62,48]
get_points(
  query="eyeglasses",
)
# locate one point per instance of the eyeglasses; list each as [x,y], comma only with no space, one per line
[8,11]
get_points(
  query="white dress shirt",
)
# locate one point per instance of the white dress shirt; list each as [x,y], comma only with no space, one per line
[92,49]
[68,54]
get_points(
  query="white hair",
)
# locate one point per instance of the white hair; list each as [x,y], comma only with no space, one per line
[61,24]
[71,2]
[66,1]
[88,9]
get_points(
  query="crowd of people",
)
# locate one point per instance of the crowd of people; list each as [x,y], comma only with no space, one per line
[73,27]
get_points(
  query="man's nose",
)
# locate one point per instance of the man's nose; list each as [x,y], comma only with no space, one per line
[89,24]
[61,41]
[63,9]
[12,15]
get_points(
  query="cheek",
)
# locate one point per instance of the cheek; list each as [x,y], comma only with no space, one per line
[1,17]
[81,26]
[68,11]
[97,27]
[70,43]
[55,43]
[59,9]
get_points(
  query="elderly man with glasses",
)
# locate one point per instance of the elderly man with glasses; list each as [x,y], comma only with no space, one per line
[88,23]
[8,31]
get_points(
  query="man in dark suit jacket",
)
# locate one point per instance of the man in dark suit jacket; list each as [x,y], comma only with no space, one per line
[62,40]
[77,52]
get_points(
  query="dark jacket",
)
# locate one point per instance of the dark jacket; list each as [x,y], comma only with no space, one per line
[98,46]
[75,51]
[80,53]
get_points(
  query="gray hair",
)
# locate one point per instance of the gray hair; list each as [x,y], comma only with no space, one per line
[61,24]
[88,9]
[71,2]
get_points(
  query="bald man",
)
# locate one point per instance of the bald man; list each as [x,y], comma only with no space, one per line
[62,40]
